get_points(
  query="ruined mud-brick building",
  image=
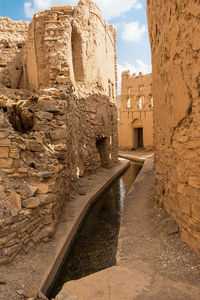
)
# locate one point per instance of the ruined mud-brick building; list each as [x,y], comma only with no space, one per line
[136,112]
[58,118]
[174,29]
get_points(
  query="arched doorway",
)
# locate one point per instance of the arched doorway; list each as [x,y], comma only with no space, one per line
[137,134]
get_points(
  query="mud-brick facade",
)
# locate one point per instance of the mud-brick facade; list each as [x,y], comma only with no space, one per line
[12,38]
[136,112]
[174,30]
[68,45]
[63,126]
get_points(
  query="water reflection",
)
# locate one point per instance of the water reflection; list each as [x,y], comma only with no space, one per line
[95,246]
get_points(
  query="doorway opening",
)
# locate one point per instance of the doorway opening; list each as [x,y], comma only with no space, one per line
[138,138]
[102,147]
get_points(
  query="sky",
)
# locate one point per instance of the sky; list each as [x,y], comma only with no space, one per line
[128,16]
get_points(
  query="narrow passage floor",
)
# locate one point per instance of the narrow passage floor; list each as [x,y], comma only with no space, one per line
[153,263]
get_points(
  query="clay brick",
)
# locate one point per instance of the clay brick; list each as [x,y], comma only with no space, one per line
[14,201]
[43,188]
[9,251]
[7,238]
[4,151]
[6,163]
[59,134]
[193,144]
[4,134]
[32,202]
[5,142]
[194,182]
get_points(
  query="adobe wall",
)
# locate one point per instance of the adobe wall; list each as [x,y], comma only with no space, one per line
[71,45]
[12,38]
[50,137]
[46,143]
[136,111]
[174,30]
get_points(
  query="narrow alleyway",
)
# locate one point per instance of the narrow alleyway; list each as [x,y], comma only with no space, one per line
[152,262]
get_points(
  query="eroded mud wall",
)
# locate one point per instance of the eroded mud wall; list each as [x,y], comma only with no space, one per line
[71,45]
[46,143]
[50,137]
[174,30]
[12,38]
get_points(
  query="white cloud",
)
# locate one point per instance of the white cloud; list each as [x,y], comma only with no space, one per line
[133,32]
[114,8]
[139,67]
[28,10]
[38,5]
[109,8]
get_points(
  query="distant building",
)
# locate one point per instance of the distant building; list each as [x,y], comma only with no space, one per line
[136,112]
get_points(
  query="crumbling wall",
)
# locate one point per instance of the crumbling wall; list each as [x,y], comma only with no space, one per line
[174,30]
[50,139]
[40,163]
[12,39]
[71,45]
[136,111]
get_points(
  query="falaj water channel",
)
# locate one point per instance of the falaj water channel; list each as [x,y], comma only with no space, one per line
[95,245]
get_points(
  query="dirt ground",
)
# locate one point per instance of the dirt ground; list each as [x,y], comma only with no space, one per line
[150,241]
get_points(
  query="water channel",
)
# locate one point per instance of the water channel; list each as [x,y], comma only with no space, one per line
[95,245]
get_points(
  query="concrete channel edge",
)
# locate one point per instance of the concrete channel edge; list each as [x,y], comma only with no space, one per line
[56,264]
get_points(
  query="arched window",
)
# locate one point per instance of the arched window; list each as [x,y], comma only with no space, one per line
[77,56]
[141,102]
[128,103]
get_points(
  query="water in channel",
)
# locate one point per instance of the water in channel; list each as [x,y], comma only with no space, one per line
[95,246]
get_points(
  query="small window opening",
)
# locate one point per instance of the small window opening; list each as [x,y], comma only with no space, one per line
[128,103]
[141,102]
[152,102]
